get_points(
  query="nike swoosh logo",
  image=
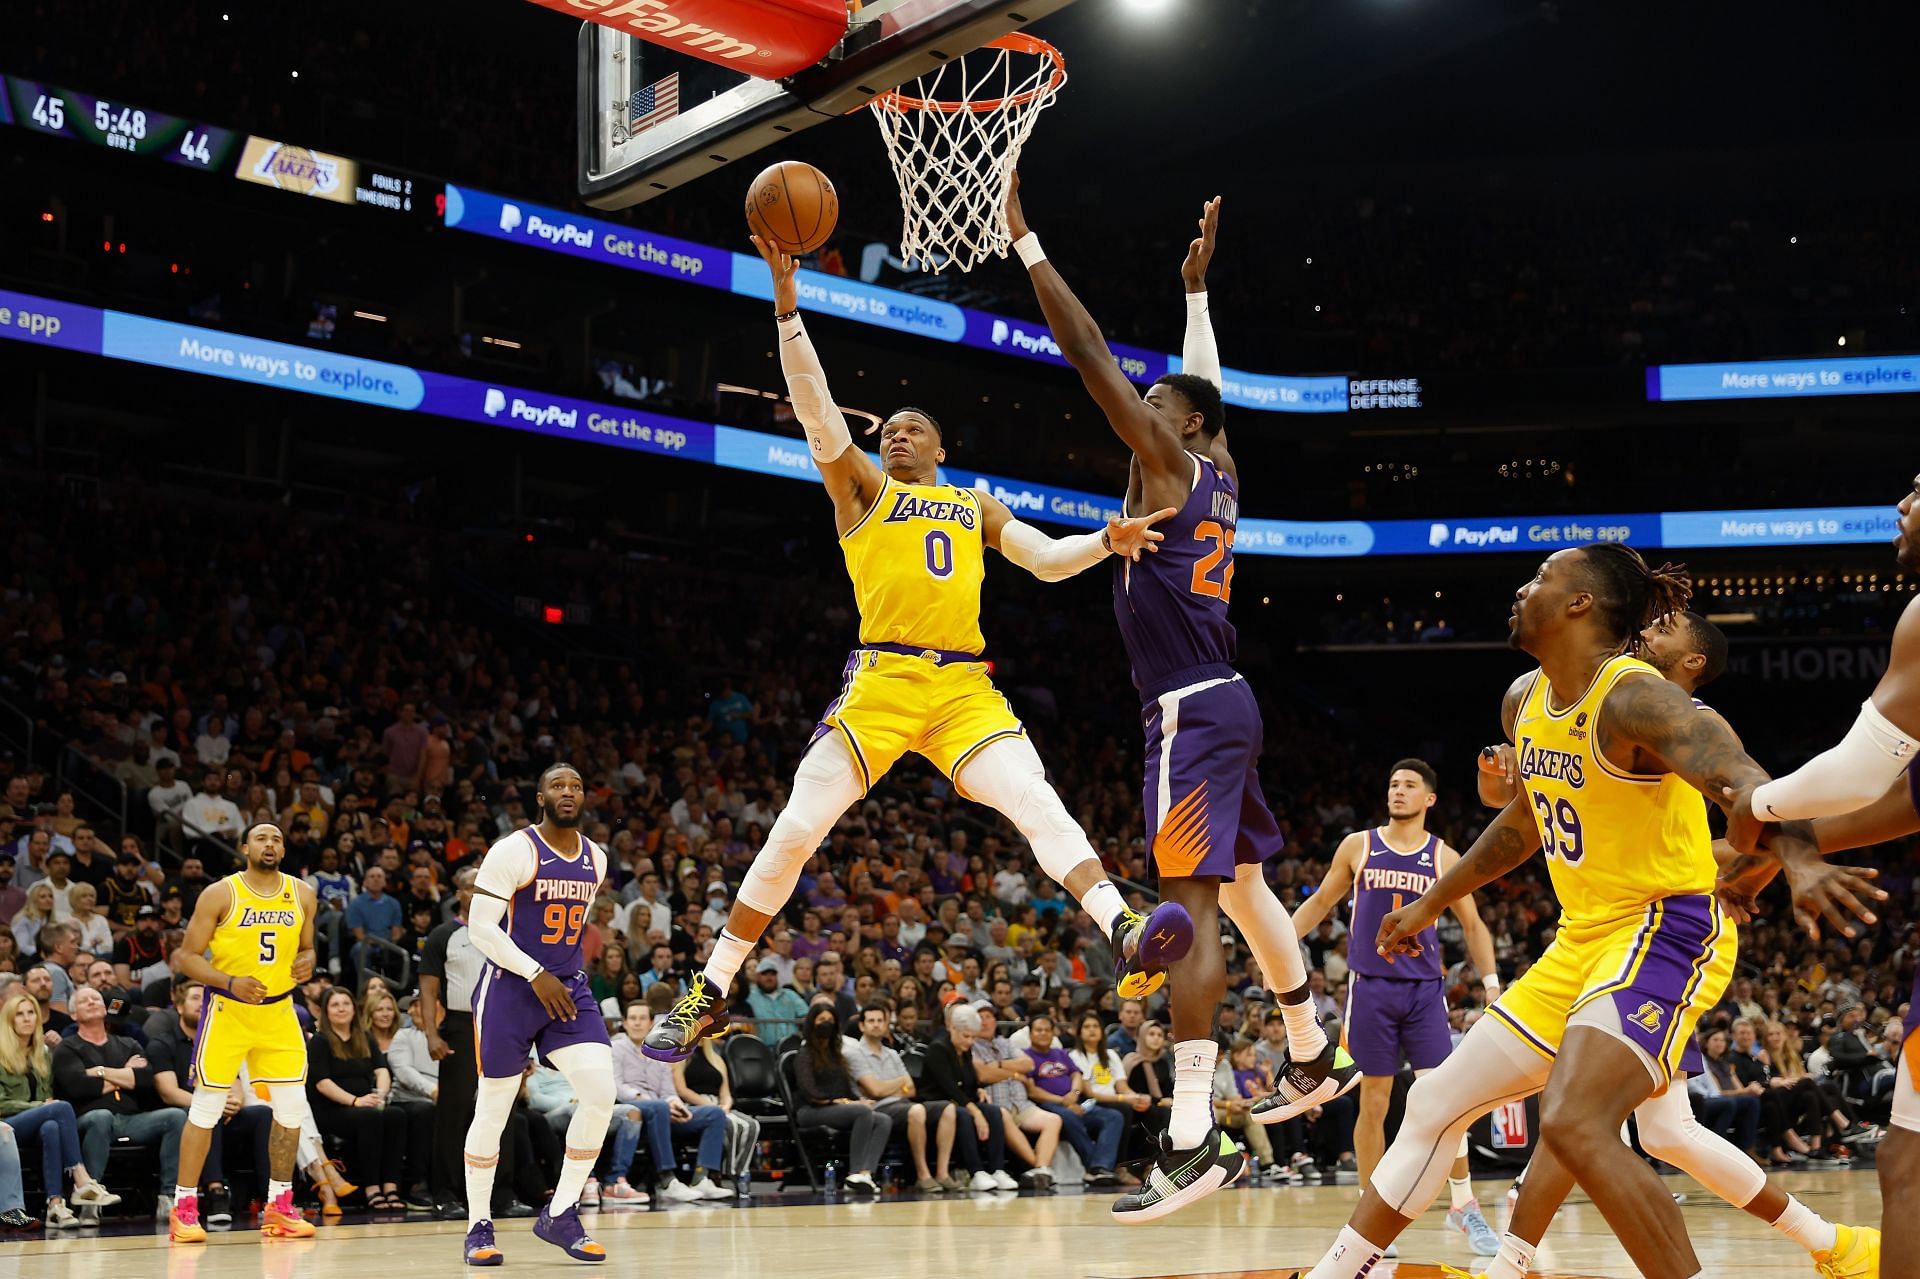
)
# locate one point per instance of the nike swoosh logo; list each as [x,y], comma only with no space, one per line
[1530,719]
[548,861]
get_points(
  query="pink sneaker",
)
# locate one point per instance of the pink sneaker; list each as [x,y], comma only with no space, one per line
[623,1192]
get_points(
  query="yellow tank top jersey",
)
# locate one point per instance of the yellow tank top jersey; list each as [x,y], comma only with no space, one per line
[916,559]
[1615,841]
[260,934]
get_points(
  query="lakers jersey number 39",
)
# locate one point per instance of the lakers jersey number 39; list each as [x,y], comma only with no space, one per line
[258,937]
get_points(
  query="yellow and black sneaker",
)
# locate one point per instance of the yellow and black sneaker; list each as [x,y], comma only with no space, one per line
[701,1012]
[1179,1177]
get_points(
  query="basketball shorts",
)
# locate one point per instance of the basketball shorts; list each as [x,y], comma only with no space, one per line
[510,1023]
[265,1036]
[1906,1086]
[1206,815]
[892,703]
[1390,1021]
[1660,970]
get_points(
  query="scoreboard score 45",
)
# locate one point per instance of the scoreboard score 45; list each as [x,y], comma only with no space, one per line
[119,126]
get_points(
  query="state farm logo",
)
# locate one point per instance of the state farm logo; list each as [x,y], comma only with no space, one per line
[298,170]
[655,19]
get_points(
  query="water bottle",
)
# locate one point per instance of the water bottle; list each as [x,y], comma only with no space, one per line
[832,1179]
[743,1185]
[1253,1170]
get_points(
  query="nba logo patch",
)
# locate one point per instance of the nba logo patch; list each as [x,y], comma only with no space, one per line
[1648,1017]
[1509,1126]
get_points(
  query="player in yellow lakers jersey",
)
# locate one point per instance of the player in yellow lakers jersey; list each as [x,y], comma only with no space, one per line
[1611,756]
[916,552]
[251,942]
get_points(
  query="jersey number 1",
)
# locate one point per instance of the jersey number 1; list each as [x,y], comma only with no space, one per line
[564,923]
[1222,539]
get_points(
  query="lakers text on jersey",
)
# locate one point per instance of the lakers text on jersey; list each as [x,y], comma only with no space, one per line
[258,937]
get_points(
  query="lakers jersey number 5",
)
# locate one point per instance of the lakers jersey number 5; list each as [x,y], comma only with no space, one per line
[260,934]
[916,559]
[1615,841]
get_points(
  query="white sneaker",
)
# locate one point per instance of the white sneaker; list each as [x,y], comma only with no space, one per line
[1003,1182]
[96,1194]
[590,1194]
[163,1209]
[677,1191]
[982,1181]
[707,1188]
[60,1217]
[862,1181]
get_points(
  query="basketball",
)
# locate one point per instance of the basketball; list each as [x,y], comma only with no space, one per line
[792,205]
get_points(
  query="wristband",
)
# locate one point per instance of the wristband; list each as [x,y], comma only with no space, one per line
[1028,247]
[784,316]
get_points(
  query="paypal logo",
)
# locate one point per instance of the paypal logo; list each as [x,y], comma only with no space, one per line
[497,402]
[1438,535]
[496,399]
[1040,343]
[509,217]
[1000,331]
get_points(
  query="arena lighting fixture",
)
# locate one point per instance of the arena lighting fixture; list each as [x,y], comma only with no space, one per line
[1146,8]
[369,315]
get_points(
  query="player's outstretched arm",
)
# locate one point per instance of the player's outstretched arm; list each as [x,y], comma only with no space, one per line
[1054,559]
[1152,439]
[1473,930]
[1889,817]
[1338,882]
[852,480]
[1508,841]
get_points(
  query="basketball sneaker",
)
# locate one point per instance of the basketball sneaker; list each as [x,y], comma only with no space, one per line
[183,1222]
[481,1250]
[1855,1252]
[567,1234]
[281,1220]
[1470,1221]
[1299,1088]
[701,1012]
[1147,944]
[1177,1178]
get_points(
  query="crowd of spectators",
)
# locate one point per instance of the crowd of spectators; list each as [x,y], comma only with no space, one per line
[342,681]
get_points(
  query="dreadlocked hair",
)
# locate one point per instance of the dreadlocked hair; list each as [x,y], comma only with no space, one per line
[1628,595]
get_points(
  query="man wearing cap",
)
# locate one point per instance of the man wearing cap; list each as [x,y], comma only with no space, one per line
[715,915]
[138,951]
[776,1009]
[124,893]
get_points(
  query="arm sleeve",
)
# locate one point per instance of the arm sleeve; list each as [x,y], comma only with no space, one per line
[1051,559]
[1198,354]
[1868,760]
[820,417]
[507,865]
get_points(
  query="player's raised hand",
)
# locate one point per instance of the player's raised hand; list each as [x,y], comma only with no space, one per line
[785,268]
[554,996]
[1822,890]
[1193,271]
[248,990]
[1016,216]
[1400,927]
[1129,535]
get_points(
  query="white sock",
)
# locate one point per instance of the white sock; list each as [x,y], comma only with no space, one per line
[1193,1063]
[1104,903]
[1459,1192]
[1514,1259]
[480,1170]
[1806,1227]
[277,1188]
[723,965]
[191,1194]
[573,1179]
[1350,1257]
[1305,1040]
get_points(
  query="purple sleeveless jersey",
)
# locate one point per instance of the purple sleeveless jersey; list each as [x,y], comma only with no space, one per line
[1388,880]
[1172,605]
[548,915]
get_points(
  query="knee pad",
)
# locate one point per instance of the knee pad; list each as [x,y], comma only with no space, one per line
[492,1103]
[589,1070]
[289,1103]
[1008,776]
[824,786]
[209,1104]
[1670,1133]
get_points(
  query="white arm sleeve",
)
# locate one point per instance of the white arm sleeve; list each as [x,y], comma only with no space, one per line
[1852,775]
[1198,354]
[507,865]
[825,424]
[1051,559]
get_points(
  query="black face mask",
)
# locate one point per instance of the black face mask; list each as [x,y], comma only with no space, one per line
[824,1027]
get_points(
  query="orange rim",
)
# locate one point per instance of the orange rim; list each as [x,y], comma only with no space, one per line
[1017,42]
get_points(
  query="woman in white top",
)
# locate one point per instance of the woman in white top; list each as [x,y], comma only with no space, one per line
[212,746]
[35,915]
[1106,1078]
[96,936]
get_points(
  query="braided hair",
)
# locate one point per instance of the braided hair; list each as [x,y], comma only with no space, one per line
[1629,595]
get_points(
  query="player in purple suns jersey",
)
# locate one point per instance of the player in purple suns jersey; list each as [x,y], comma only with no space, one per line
[1208,824]
[529,908]
[1689,651]
[1397,1008]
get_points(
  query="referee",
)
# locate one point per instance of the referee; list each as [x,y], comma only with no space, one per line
[450,968]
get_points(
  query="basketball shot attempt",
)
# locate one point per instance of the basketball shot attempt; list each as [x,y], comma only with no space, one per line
[257,926]
[1207,821]
[916,553]
[530,904]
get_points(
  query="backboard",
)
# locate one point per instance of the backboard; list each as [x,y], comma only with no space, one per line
[652,118]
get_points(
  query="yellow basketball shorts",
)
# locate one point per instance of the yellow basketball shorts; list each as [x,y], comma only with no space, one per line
[1662,968]
[265,1036]
[892,703]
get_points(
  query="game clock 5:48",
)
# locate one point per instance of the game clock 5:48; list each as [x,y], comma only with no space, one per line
[119,126]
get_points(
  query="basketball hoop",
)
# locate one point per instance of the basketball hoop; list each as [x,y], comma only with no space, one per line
[954,154]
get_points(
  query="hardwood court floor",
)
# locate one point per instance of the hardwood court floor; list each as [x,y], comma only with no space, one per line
[1238,1234]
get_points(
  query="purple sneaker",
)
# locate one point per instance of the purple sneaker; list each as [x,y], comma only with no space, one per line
[1147,944]
[481,1249]
[567,1234]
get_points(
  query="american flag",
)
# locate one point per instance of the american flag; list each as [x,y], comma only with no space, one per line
[658,101]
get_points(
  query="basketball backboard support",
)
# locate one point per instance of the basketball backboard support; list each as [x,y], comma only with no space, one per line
[724,114]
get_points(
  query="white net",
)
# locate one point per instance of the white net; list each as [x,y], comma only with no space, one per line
[954,138]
